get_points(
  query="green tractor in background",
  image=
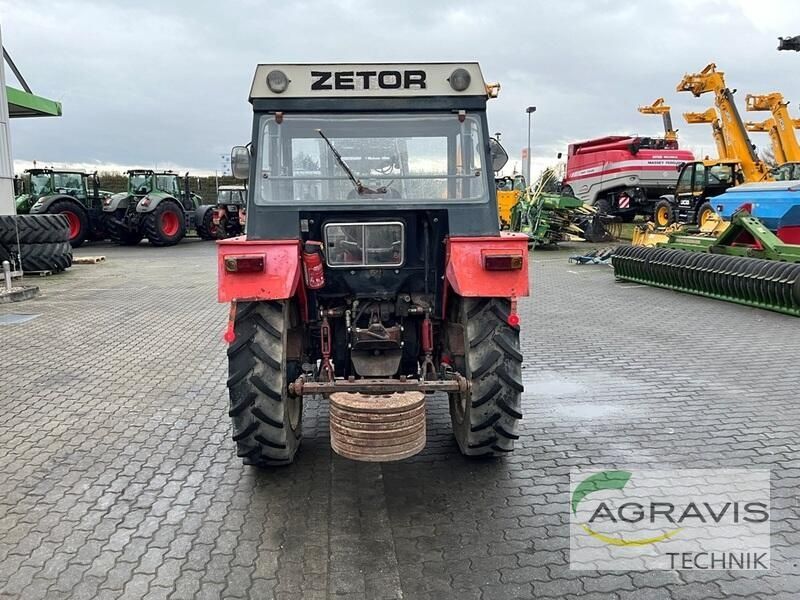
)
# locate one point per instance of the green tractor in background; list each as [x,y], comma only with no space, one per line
[74,194]
[159,206]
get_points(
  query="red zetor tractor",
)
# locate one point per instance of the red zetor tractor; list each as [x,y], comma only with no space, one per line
[373,271]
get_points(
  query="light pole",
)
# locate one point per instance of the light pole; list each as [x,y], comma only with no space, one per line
[530,110]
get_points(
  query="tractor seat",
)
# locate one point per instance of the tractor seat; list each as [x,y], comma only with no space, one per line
[391,193]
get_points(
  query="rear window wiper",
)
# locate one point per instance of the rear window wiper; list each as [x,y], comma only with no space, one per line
[360,187]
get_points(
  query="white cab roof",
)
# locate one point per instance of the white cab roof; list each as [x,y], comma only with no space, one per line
[379,80]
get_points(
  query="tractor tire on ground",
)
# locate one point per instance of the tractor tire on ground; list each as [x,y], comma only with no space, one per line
[267,422]
[604,206]
[486,423]
[222,229]
[77,220]
[122,236]
[662,213]
[33,229]
[207,230]
[52,256]
[704,212]
[165,226]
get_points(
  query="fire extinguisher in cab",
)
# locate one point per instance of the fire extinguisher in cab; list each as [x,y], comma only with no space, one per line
[313,265]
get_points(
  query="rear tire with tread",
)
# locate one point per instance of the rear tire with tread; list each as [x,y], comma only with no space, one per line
[33,229]
[55,256]
[604,206]
[267,422]
[152,224]
[486,424]
[206,229]
[60,207]
[662,213]
[122,236]
[703,212]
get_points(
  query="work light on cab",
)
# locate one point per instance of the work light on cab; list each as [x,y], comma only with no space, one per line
[460,79]
[277,81]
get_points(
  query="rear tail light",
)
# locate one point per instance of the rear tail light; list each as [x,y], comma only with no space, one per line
[502,262]
[230,333]
[246,263]
[513,316]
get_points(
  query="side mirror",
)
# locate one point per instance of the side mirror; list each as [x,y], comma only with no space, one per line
[498,154]
[558,156]
[17,185]
[240,162]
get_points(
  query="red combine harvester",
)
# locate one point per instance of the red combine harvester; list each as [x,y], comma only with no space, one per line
[624,175]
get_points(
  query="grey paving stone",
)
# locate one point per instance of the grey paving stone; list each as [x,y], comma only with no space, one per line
[118,481]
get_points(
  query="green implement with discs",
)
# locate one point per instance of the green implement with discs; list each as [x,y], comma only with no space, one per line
[747,264]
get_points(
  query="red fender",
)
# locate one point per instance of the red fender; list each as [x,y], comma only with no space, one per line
[466,266]
[279,279]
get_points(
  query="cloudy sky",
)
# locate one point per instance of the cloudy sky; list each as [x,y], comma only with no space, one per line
[165,83]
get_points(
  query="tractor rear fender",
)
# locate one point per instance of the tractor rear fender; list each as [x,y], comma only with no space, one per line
[115,201]
[503,275]
[250,270]
[24,203]
[150,201]
[42,204]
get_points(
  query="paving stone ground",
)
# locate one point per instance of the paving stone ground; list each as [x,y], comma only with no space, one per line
[118,478]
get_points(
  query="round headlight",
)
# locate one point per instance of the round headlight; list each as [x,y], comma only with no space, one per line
[459,79]
[277,81]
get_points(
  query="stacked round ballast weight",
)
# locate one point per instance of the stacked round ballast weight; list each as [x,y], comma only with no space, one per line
[377,428]
[35,242]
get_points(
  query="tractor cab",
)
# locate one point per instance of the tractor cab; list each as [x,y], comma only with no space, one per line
[230,213]
[373,265]
[707,178]
[509,191]
[37,183]
[144,182]
[698,181]
[788,171]
[140,183]
[232,195]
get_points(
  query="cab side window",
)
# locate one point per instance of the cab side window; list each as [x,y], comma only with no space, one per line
[684,185]
[699,178]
